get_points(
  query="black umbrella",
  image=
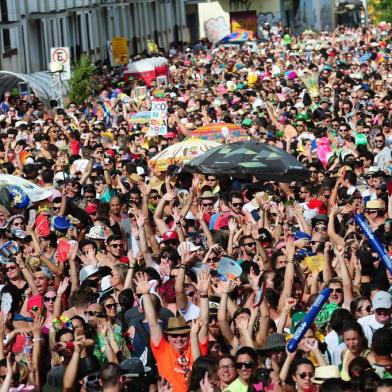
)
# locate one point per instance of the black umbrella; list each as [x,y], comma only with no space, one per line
[242,159]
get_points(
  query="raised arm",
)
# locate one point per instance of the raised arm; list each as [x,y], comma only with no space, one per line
[186,258]
[158,214]
[288,274]
[142,287]
[346,278]
[203,282]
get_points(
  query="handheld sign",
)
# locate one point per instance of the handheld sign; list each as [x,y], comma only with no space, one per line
[374,242]
[308,320]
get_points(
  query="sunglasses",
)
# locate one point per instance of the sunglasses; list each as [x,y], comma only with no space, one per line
[303,375]
[166,256]
[191,294]
[179,335]
[368,309]
[213,260]
[338,290]
[50,299]
[10,268]
[111,306]
[237,204]
[248,365]
[154,197]
[116,246]
[96,314]
[207,204]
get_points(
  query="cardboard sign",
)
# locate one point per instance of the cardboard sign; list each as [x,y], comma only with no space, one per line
[158,122]
[62,252]
[120,50]
[315,263]
[42,226]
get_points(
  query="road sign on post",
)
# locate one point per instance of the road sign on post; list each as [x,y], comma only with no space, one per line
[62,55]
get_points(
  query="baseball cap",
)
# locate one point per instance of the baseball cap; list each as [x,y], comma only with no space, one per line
[133,367]
[87,271]
[382,300]
[170,236]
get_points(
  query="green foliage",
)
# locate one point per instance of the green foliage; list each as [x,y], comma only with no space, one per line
[380,10]
[82,83]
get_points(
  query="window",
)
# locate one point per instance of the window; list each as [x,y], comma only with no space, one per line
[6,39]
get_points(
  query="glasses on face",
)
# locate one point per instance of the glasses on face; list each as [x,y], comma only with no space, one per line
[247,365]
[17,224]
[56,208]
[166,257]
[180,335]
[116,246]
[337,290]
[155,197]
[304,375]
[211,179]
[226,367]
[237,204]
[10,268]
[207,204]
[111,306]
[50,299]
[212,260]
[367,308]
[312,171]
[191,294]
[379,141]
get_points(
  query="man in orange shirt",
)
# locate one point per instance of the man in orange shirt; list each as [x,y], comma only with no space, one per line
[176,348]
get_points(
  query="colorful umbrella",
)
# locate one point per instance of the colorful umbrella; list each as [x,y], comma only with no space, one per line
[180,153]
[141,117]
[251,158]
[221,131]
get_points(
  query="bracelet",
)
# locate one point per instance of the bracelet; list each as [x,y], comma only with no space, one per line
[37,339]
[203,295]
[183,266]
[131,267]
[178,224]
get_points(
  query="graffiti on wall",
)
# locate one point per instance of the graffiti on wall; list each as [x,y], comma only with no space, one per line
[240,5]
[267,17]
[215,29]
[244,21]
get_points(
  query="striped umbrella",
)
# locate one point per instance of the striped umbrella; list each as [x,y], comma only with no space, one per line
[181,152]
[221,131]
[141,117]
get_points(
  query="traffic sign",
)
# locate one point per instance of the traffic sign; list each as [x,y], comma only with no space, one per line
[62,55]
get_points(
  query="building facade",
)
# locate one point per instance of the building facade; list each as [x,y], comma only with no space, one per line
[29,28]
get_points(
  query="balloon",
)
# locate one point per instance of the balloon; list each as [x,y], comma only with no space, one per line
[374,242]
[308,320]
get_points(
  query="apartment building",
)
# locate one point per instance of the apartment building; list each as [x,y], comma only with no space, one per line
[29,28]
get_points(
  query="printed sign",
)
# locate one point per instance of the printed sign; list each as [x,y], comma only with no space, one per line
[62,55]
[158,122]
[120,51]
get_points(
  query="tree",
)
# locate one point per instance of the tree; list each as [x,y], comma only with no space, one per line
[82,83]
[380,10]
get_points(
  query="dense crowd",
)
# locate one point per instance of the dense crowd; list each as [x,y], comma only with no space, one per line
[114,283]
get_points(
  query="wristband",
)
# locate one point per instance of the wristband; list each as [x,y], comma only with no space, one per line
[131,267]
[203,295]
[39,339]
[183,266]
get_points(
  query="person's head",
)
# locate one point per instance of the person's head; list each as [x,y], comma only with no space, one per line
[384,385]
[93,313]
[115,205]
[126,299]
[382,306]
[64,336]
[360,307]
[336,385]
[302,370]
[177,333]
[354,337]
[110,305]
[41,281]
[379,140]
[336,295]
[200,367]
[111,376]
[236,202]
[382,342]
[16,378]
[248,245]
[357,366]
[12,271]
[245,362]
[115,245]
[227,371]
[49,299]
[78,326]
[118,275]
[82,298]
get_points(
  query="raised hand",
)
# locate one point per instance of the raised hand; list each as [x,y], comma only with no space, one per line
[141,283]
[186,254]
[164,385]
[169,196]
[63,287]
[196,326]
[203,281]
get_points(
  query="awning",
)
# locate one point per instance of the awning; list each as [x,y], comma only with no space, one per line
[39,82]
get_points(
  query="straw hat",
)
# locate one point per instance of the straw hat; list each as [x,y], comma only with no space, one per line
[177,326]
[323,373]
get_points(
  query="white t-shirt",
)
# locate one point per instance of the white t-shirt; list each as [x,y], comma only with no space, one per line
[335,348]
[191,313]
[369,326]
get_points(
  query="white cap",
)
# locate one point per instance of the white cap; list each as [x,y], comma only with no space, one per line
[382,300]
[192,247]
[86,272]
